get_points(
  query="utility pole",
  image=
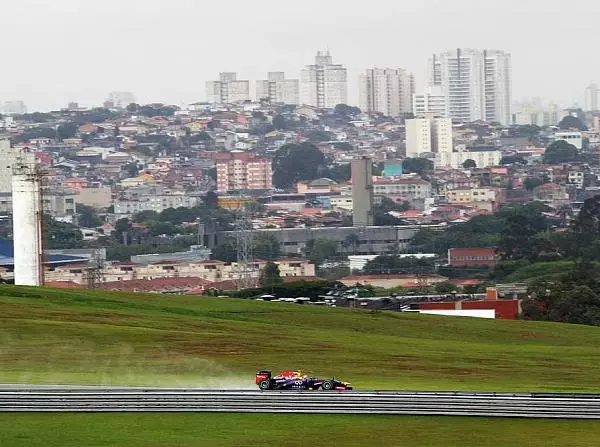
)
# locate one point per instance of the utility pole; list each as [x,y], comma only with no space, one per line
[95,271]
[244,240]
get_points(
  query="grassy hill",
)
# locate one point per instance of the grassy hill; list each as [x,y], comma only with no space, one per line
[83,337]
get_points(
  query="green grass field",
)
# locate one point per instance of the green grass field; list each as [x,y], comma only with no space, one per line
[82,337]
[191,430]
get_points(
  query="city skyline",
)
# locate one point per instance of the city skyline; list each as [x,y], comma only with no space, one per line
[118,51]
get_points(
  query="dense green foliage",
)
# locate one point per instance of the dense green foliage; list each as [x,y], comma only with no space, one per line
[62,235]
[270,275]
[319,250]
[469,164]
[572,122]
[295,162]
[421,166]
[517,232]
[87,216]
[561,152]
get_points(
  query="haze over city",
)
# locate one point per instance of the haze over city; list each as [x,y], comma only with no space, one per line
[68,50]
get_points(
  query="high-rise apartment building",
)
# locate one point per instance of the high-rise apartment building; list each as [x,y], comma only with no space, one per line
[388,91]
[324,84]
[14,108]
[477,84]
[432,102]
[543,115]
[228,89]
[120,100]
[278,89]
[239,171]
[591,97]
[428,135]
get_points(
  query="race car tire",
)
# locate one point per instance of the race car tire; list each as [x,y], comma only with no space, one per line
[327,385]
[265,384]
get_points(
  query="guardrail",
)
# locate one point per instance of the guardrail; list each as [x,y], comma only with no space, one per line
[89,399]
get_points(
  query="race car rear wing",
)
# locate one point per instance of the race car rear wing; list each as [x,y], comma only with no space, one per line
[262,375]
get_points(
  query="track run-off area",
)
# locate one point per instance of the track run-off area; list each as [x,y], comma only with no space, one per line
[96,399]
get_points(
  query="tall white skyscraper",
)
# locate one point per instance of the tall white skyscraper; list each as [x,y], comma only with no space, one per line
[120,99]
[278,89]
[228,89]
[388,91]
[324,84]
[14,108]
[477,84]
[431,102]
[591,97]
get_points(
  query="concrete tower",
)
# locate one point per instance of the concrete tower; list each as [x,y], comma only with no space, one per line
[362,192]
[27,225]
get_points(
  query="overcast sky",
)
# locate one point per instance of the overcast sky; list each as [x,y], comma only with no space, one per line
[56,51]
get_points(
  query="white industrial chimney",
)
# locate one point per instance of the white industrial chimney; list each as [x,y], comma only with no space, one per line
[27,224]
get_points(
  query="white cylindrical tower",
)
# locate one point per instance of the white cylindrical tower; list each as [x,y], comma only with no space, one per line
[27,225]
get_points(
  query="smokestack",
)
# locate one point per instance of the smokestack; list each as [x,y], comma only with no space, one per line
[362,192]
[27,225]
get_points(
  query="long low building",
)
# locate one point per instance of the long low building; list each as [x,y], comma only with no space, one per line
[370,240]
[212,271]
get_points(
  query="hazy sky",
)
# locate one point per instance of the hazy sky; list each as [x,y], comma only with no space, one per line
[55,51]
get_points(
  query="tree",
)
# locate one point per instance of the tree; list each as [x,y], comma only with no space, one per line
[225,252]
[63,235]
[513,159]
[417,165]
[346,111]
[271,275]
[132,108]
[266,246]
[469,164]
[143,216]
[390,264]
[318,250]
[572,298]
[343,146]
[295,162]
[211,200]
[340,172]
[384,219]
[132,169]
[68,130]
[444,288]
[352,241]
[318,136]
[519,237]
[531,183]
[586,227]
[572,122]
[279,123]
[87,217]
[561,152]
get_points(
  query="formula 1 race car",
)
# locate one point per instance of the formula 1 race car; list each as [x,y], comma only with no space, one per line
[296,380]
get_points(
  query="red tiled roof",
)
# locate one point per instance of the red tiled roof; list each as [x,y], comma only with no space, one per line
[158,284]
[372,277]
[466,282]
